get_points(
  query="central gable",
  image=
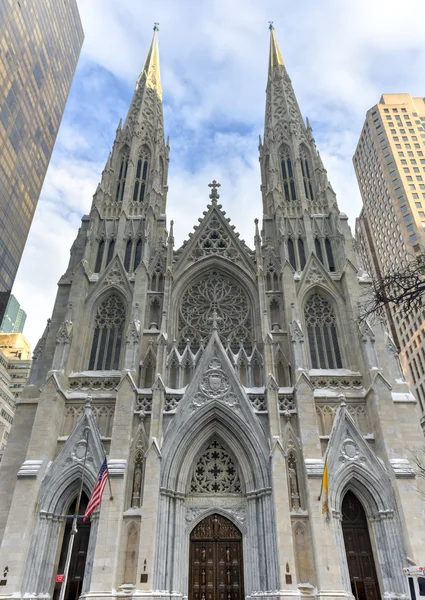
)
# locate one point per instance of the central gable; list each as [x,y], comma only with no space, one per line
[215,237]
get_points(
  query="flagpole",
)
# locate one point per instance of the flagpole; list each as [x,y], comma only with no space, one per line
[74,529]
[111,497]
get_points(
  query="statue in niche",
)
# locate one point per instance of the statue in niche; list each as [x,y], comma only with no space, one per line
[294,490]
[137,483]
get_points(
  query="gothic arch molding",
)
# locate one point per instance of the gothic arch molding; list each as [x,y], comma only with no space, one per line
[224,512]
[373,489]
[181,448]
[57,493]
[185,440]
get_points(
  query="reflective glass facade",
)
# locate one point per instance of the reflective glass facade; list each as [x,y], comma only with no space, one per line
[40,42]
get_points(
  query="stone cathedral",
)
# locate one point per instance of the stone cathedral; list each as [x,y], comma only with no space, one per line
[218,379]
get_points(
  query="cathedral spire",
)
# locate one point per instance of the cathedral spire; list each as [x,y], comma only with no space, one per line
[275,57]
[292,178]
[281,103]
[151,74]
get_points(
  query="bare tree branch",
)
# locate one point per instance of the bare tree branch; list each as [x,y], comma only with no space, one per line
[400,290]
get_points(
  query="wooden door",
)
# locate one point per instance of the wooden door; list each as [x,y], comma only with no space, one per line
[216,570]
[361,566]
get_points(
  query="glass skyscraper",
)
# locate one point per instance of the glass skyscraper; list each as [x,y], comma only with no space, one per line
[40,42]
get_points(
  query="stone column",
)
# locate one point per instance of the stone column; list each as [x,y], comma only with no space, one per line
[106,561]
[282,511]
[153,533]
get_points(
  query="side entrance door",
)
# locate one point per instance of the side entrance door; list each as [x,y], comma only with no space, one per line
[361,565]
[216,570]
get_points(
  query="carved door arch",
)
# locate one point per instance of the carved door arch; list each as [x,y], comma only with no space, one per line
[215,565]
[361,564]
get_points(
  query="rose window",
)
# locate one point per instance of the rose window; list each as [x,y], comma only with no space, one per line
[215,300]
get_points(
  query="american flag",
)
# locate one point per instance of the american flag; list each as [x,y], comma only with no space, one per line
[96,496]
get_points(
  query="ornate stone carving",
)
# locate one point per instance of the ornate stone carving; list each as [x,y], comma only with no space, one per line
[215,293]
[114,277]
[93,383]
[192,513]
[286,403]
[346,382]
[215,526]
[258,403]
[171,403]
[215,472]
[297,334]
[314,275]
[326,415]
[215,385]
[215,239]
[350,450]
[143,405]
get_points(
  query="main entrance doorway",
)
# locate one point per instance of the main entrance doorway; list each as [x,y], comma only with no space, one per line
[215,570]
[361,566]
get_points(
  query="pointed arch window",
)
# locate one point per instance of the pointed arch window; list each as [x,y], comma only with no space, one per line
[272,281]
[318,247]
[306,173]
[301,253]
[122,176]
[157,278]
[288,176]
[108,331]
[99,256]
[127,255]
[322,334]
[330,256]
[137,254]
[140,182]
[111,248]
[291,253]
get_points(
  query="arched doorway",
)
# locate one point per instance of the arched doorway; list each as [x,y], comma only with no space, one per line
[79,552]
[361,565]
[216,570]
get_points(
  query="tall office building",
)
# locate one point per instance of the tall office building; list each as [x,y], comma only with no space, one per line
[15,365]
[390,166]
[40,42]
[14,317]
[216,376]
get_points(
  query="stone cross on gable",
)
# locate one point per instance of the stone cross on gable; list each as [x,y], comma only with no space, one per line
[214,195]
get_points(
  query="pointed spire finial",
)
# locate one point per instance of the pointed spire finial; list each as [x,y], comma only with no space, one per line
[88,404]
[214,194]
[151,71]
[275,58]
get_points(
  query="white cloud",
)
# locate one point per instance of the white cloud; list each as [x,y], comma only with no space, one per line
[341,56]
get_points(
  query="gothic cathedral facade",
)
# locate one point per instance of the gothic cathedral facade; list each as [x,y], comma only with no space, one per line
[220,380]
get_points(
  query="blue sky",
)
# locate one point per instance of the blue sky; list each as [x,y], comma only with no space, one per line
[341,55]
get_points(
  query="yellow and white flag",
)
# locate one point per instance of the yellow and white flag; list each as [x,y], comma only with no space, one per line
[324,492]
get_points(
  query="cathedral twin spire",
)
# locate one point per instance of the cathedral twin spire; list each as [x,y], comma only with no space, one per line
[293,176]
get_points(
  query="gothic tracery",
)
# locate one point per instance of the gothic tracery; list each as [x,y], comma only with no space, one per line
[215,472]
[215,300]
